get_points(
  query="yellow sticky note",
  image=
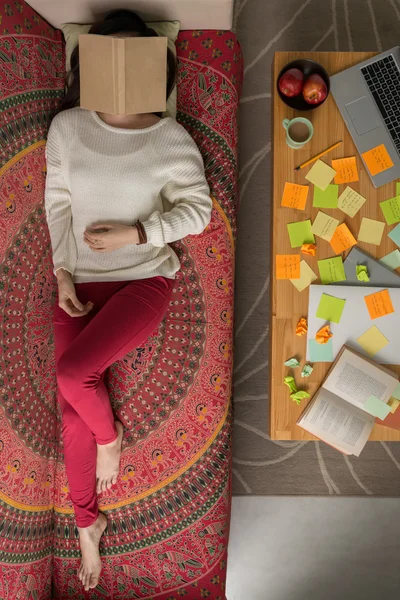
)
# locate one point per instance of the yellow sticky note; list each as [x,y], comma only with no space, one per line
[288,266]
[342,239]
[371,231]
[307,276]
[320,174]
[379,304]
[394,404]
[377,159]
[346,169]
[350,201]
[294,196]
[372,341]
[324,226]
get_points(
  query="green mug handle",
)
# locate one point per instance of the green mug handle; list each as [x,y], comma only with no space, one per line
[285,123]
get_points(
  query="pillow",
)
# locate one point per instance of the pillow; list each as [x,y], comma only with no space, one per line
[168,29]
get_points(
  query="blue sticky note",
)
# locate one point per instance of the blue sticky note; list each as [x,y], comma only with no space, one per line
[320,352]
[395,235]
[377,408]
[396,393]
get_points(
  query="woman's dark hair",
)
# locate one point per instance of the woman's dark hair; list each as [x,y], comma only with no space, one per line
[116,21]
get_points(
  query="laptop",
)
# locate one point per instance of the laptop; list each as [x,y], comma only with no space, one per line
[368,97]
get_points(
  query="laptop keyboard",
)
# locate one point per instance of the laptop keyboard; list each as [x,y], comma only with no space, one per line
[383,79]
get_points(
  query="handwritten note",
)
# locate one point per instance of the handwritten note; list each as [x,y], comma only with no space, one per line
[326,198]
[346,169]
[294,196]
[391,210]
[350,201]
[395,235]
[371,231]
[379,304]
[342,239]
[300,233]
[324,226]
[372,341]
[320,174]
[307,276]
[377,159]
[288,266]
[331,270]
[392,260]
[330,308]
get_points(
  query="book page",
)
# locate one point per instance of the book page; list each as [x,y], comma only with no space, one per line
[337,423]
[355,379]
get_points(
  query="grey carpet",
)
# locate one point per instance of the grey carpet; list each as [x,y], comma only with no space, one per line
[261,466]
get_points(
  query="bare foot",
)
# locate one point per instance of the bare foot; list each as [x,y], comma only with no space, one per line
[89,539]
[108,456]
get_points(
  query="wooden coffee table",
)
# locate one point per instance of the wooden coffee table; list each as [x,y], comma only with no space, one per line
[287,304]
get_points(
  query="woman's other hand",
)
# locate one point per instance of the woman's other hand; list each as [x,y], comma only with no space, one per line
[106,237]
[67,299]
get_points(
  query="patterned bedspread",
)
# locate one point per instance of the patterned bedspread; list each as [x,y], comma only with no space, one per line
[169,513]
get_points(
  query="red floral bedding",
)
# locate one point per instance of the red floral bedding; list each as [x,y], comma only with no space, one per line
[169,513]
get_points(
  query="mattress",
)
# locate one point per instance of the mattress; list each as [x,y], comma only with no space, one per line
[168,515]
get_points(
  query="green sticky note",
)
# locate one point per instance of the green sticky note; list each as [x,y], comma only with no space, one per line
[362,273]
[299,396]
[320,352]
[391,210]
[327,198]
[392,260]
[396,393]
[290,382]
[292,362]
[331,270]
[395,235]
[306,371]
[330,308]
[377,408]
[300,233]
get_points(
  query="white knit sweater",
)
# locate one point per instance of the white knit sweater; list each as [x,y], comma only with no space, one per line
[97,172]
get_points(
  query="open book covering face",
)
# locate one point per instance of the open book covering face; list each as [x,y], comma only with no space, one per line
[123,75]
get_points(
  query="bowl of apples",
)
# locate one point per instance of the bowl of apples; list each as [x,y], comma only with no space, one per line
[303,84]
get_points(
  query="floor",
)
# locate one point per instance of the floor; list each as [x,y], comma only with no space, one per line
[284,548]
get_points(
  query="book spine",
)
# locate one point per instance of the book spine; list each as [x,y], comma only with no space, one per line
[118,62]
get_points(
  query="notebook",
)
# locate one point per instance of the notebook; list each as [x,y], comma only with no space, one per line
[379,275]
[338,413]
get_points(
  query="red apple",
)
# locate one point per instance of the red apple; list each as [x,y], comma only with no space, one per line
[291,82]
[314,89]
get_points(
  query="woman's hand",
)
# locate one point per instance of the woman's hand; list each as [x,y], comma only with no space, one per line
[110,236]
[67,299]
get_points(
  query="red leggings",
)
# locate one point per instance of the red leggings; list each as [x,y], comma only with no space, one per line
[124,314]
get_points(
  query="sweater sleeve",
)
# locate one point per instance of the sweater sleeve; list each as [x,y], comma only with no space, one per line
[187,190]
[58,207]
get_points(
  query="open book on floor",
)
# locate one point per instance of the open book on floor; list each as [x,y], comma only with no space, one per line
[342,412]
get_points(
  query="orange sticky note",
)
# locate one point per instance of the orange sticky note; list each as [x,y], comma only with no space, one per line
[377,159]
[295,196]
[346,169]
[342,239]
[379,304]
[310,249]
[288,266]
[323,335]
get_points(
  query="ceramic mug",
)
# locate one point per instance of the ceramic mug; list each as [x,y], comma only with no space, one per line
[292,130]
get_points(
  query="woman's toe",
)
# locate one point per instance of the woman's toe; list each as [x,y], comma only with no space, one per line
[114,479]
[109,484]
